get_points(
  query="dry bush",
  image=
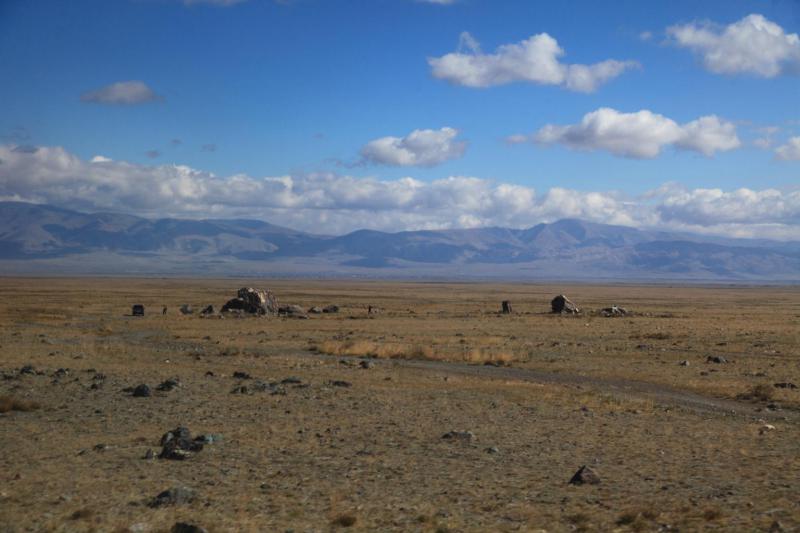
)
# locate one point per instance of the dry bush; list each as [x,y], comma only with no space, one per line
[487,357]
[761,392]
[9,403]
[344,520]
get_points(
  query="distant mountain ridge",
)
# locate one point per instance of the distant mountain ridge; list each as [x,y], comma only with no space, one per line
[41,239]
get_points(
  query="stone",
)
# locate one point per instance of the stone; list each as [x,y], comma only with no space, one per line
[717,359]
[293,311]
[252,301]
[208,310]
[291,380]
[173,496]
[330,309]
[241,375]
[141,391]
[137,310]
[316,310]
[507,307]
[27,369]
[492,450]
[339,383]
[178,444]
[169,384]
[185,527]
[613,311]
[585,476]
[562,304]
[186,309]
[460,436]
[365,364]
[785,385]
[684,363]
[149,454]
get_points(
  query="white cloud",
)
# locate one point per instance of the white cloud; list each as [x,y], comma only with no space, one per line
[645,35]
[100,159]
[121,93]
[334,204]
[534,60]
[424,148]
[753,45]
[640,135]
[789,151]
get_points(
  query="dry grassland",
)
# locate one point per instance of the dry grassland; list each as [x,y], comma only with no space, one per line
[676,447]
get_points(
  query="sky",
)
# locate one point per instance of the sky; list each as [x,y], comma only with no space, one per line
[331,116]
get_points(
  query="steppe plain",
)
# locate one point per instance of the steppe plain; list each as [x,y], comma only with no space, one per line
[680,443]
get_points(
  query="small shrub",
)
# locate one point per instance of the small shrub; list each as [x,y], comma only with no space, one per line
[344,520]
[761,392]
[8,403]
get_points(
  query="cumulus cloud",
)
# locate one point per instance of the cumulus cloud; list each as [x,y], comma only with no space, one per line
[425,148]
[789,151]
[754,45]
[332,203]
[534,60]
[121,93]
[640,135]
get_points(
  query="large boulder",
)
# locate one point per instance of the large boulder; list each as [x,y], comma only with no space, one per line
[562,304]
[252,301]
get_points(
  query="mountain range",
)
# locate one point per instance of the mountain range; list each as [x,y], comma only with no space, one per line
[42,239]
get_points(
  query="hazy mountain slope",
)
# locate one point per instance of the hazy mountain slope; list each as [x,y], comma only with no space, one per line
[48,238]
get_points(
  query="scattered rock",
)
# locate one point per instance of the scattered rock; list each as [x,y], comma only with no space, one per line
[330,309]
[461,436]
[27,370]
[208,310]
[562,304]
[141,391]
[293,311]
[684,363]
[492,450]
[168,385]
[185,527]
[178,444]
[785,385]
[365,364]
[613,311]
[291,380]
[717,359]
[339,383]
[315,310]
[186,309]
[173,496]
[765,429]
[585,476]
[241,375]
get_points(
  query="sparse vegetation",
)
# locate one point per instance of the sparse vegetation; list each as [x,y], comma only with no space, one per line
[297,452]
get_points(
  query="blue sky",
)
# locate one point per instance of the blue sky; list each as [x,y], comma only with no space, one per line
[301,88]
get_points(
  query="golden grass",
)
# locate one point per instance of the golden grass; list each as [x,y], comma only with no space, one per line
[389,350]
